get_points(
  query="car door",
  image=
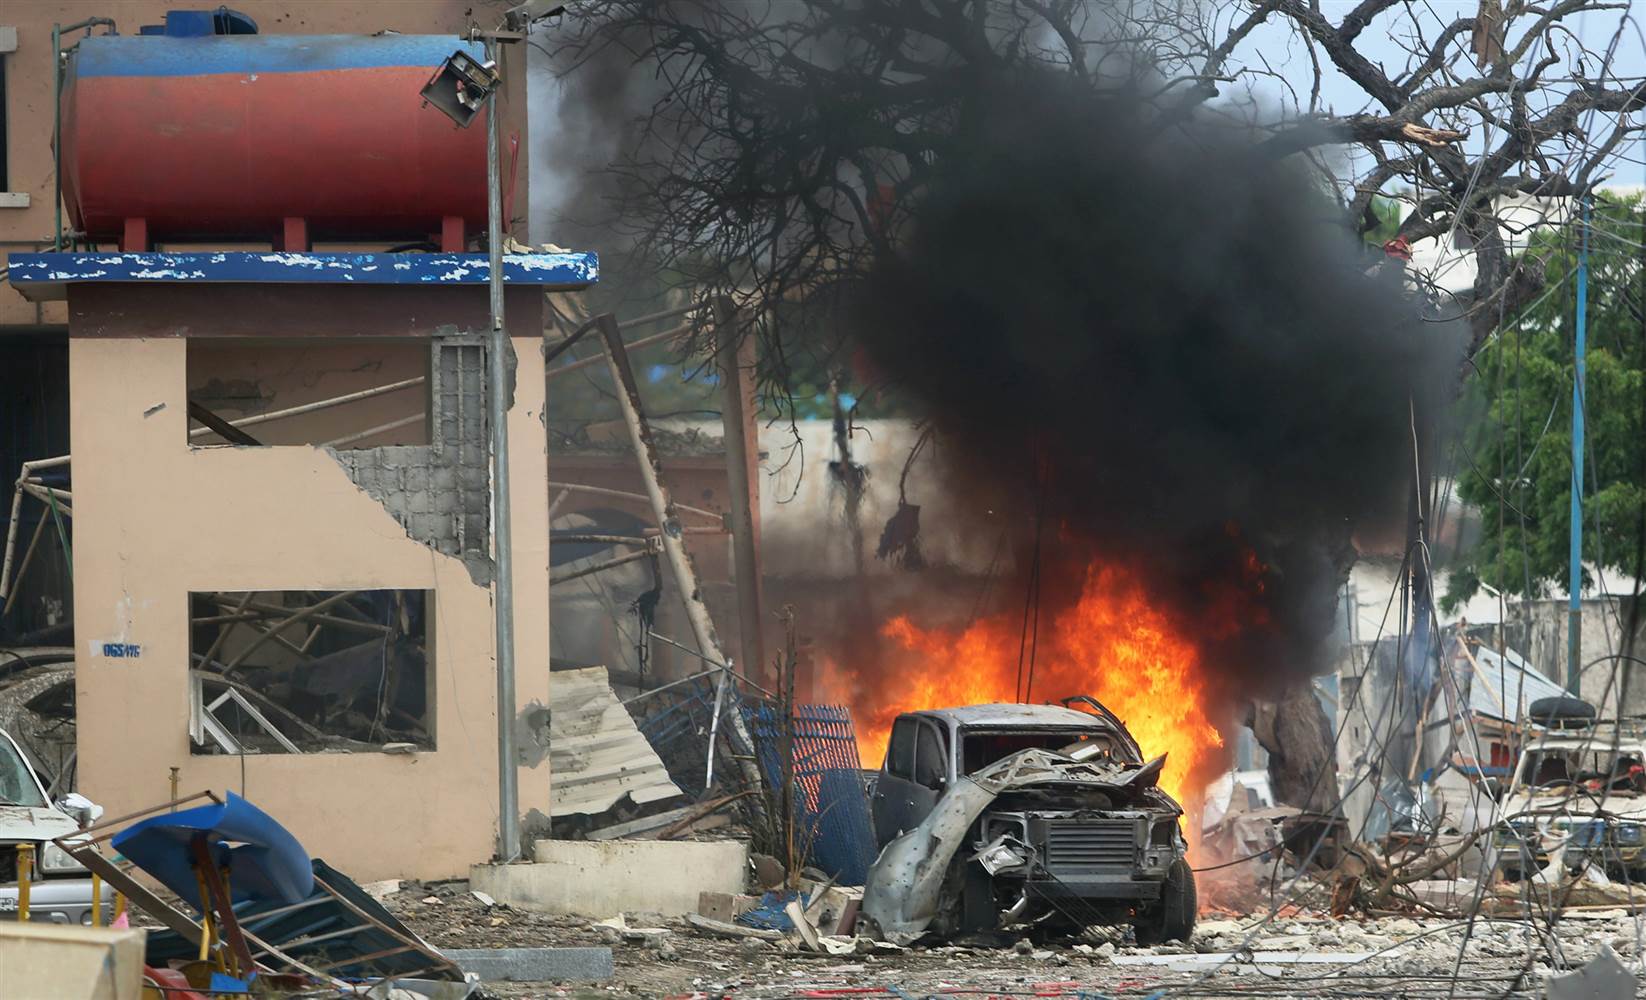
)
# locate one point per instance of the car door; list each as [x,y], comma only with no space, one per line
[911,780]
[931,769]
[894,789]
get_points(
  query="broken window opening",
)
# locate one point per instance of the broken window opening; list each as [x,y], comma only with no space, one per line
[981,748]
[931,764]
[345,393]
[311,671]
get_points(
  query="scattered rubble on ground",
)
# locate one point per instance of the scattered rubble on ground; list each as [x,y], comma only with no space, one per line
[655,956]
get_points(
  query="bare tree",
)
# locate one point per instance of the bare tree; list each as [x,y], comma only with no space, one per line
[776,145]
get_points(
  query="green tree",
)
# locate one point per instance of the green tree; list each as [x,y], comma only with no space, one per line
[1515,444]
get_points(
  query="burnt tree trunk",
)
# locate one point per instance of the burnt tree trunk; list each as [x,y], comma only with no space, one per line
[1302,759]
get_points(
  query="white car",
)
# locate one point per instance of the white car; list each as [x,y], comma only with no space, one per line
[59,889]
[1579,794]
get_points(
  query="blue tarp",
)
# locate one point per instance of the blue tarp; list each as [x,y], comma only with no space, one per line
[769,915]
[264,860]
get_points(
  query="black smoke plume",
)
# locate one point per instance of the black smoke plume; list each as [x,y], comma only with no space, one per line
[1140,335]
[1175,347]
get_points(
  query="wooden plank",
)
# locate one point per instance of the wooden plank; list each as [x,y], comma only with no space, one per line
[641,825]
[720,928]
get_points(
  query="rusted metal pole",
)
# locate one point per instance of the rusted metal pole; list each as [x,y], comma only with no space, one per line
[23,567]
[651,474]
[671,535]
[25,875]
[602,491]
[656,338]
[600,567]
[735,356]
[319,404]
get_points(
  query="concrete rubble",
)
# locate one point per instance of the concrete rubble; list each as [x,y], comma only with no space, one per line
[1306,952]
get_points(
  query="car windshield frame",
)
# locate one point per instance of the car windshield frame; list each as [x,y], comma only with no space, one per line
[1056,738]
[18,784]
[1584,763]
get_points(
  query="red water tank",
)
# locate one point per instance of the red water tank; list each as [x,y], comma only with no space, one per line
[225,138]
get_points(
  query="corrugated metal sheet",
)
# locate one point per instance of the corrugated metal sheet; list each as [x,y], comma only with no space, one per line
[1522,683]
[596,755]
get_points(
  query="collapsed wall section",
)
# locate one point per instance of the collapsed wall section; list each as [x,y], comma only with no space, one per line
[439,492]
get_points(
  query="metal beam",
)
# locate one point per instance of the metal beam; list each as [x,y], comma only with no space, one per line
[741,435]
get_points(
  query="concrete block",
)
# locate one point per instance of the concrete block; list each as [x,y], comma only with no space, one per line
[534,965]
[415,478]
[52,960]
[725,906]
[364,475]
[601,878]
[429,527]
[443,478]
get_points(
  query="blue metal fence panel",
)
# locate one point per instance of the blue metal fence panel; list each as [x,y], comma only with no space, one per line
[831,811]
[676,723]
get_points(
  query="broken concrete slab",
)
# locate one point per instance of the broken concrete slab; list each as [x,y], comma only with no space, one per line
[494,965]
[720,928]
[1604,978]
[1265,962]
[598,878]
[725,906]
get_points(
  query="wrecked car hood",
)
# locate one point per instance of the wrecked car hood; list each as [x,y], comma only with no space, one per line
[1546,803]
[1553,811]
[34,823]
[901,892]
[1048,767]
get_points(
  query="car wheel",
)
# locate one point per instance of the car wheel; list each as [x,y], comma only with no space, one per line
[1172,918]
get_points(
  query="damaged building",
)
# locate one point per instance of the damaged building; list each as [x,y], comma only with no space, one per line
[337,597]
[278,466]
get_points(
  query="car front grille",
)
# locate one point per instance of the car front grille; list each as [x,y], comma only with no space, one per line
[1588,833]
[1090,845]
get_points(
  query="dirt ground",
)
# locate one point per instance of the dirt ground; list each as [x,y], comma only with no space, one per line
[1295,954]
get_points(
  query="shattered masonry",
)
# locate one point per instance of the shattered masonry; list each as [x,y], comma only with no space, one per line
[438,492]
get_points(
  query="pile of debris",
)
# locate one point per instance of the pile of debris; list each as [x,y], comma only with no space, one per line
[1308,951]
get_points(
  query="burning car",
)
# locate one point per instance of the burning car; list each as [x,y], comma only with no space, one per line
[992,816]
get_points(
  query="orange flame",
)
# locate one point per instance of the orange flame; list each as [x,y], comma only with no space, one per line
[1112,644]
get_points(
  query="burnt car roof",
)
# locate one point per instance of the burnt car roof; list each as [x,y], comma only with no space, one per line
[1014,714]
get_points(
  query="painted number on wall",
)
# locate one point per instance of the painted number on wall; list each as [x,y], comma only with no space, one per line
[122,650]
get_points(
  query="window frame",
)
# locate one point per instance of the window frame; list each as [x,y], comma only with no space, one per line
[928,731]
[903,728]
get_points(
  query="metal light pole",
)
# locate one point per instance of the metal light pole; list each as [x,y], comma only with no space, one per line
[508,790]
[1574,607]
